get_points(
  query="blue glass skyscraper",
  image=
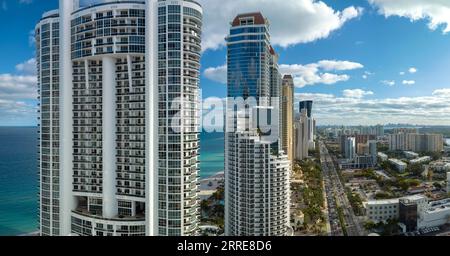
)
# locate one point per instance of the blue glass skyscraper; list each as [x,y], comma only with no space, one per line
[249,57]
[256,169]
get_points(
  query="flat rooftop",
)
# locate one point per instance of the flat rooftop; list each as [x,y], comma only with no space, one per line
[396,161]
[442,205]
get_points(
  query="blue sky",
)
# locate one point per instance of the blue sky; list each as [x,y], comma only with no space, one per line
[363,62]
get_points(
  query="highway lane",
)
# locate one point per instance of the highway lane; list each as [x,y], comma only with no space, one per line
[337,198]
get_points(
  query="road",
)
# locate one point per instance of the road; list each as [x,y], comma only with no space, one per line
[337,199]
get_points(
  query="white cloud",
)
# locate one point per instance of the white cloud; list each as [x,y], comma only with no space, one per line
[412,70]
[402,73]
[313,73]
[338,65]
[442,92]
[291,21]
[436,12]
[409,82]
[331,109]
[388,82]
[217,74]
[367,74]
[18,94]
[27,67]
[21,87]
[310,74]
[31,38]
[356,93]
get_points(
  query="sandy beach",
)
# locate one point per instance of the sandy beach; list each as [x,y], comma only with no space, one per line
[209,185]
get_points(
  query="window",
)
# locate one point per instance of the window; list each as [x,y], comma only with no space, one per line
[174,9]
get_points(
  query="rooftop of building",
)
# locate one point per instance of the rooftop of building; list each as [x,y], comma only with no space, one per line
[271,50]
[383,202]
[423,158]
[110,2]
[396,161]
[442,205]
[412,198]
[50,14]
[257,19]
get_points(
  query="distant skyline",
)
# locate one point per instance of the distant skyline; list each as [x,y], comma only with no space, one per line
[361,61]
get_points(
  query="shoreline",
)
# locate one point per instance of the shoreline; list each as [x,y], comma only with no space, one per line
[217,175]
[208,186]
[34,233]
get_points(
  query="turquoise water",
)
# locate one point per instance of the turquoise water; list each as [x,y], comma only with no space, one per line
[18,175]
[18,180]
[211,154]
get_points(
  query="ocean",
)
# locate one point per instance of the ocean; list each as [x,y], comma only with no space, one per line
[18,180]
[18,175]
[211,154]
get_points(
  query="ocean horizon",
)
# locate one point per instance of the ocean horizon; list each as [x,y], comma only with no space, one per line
[18,175]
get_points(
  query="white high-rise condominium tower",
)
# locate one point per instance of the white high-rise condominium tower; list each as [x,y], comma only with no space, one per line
[301,136]
[256,169]
[119,129]
[350,148]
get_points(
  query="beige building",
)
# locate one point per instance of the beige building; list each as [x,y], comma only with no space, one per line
[362,149]
[288,116]
[416,142]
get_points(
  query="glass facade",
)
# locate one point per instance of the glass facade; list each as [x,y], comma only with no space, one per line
[256,171]
[248,62]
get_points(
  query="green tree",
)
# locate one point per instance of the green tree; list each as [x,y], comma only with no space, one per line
[416,169]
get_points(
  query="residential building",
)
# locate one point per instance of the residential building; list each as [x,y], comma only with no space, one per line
[301,136]
[373,151]
[349,148]
[111,161]
[416,142]
[288,116]
[362,149]
[382,156]
[308,106]
[439,166]
[398,165]
[420,160]
[47,58]
[410,154]
[256,168]
[362,139]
